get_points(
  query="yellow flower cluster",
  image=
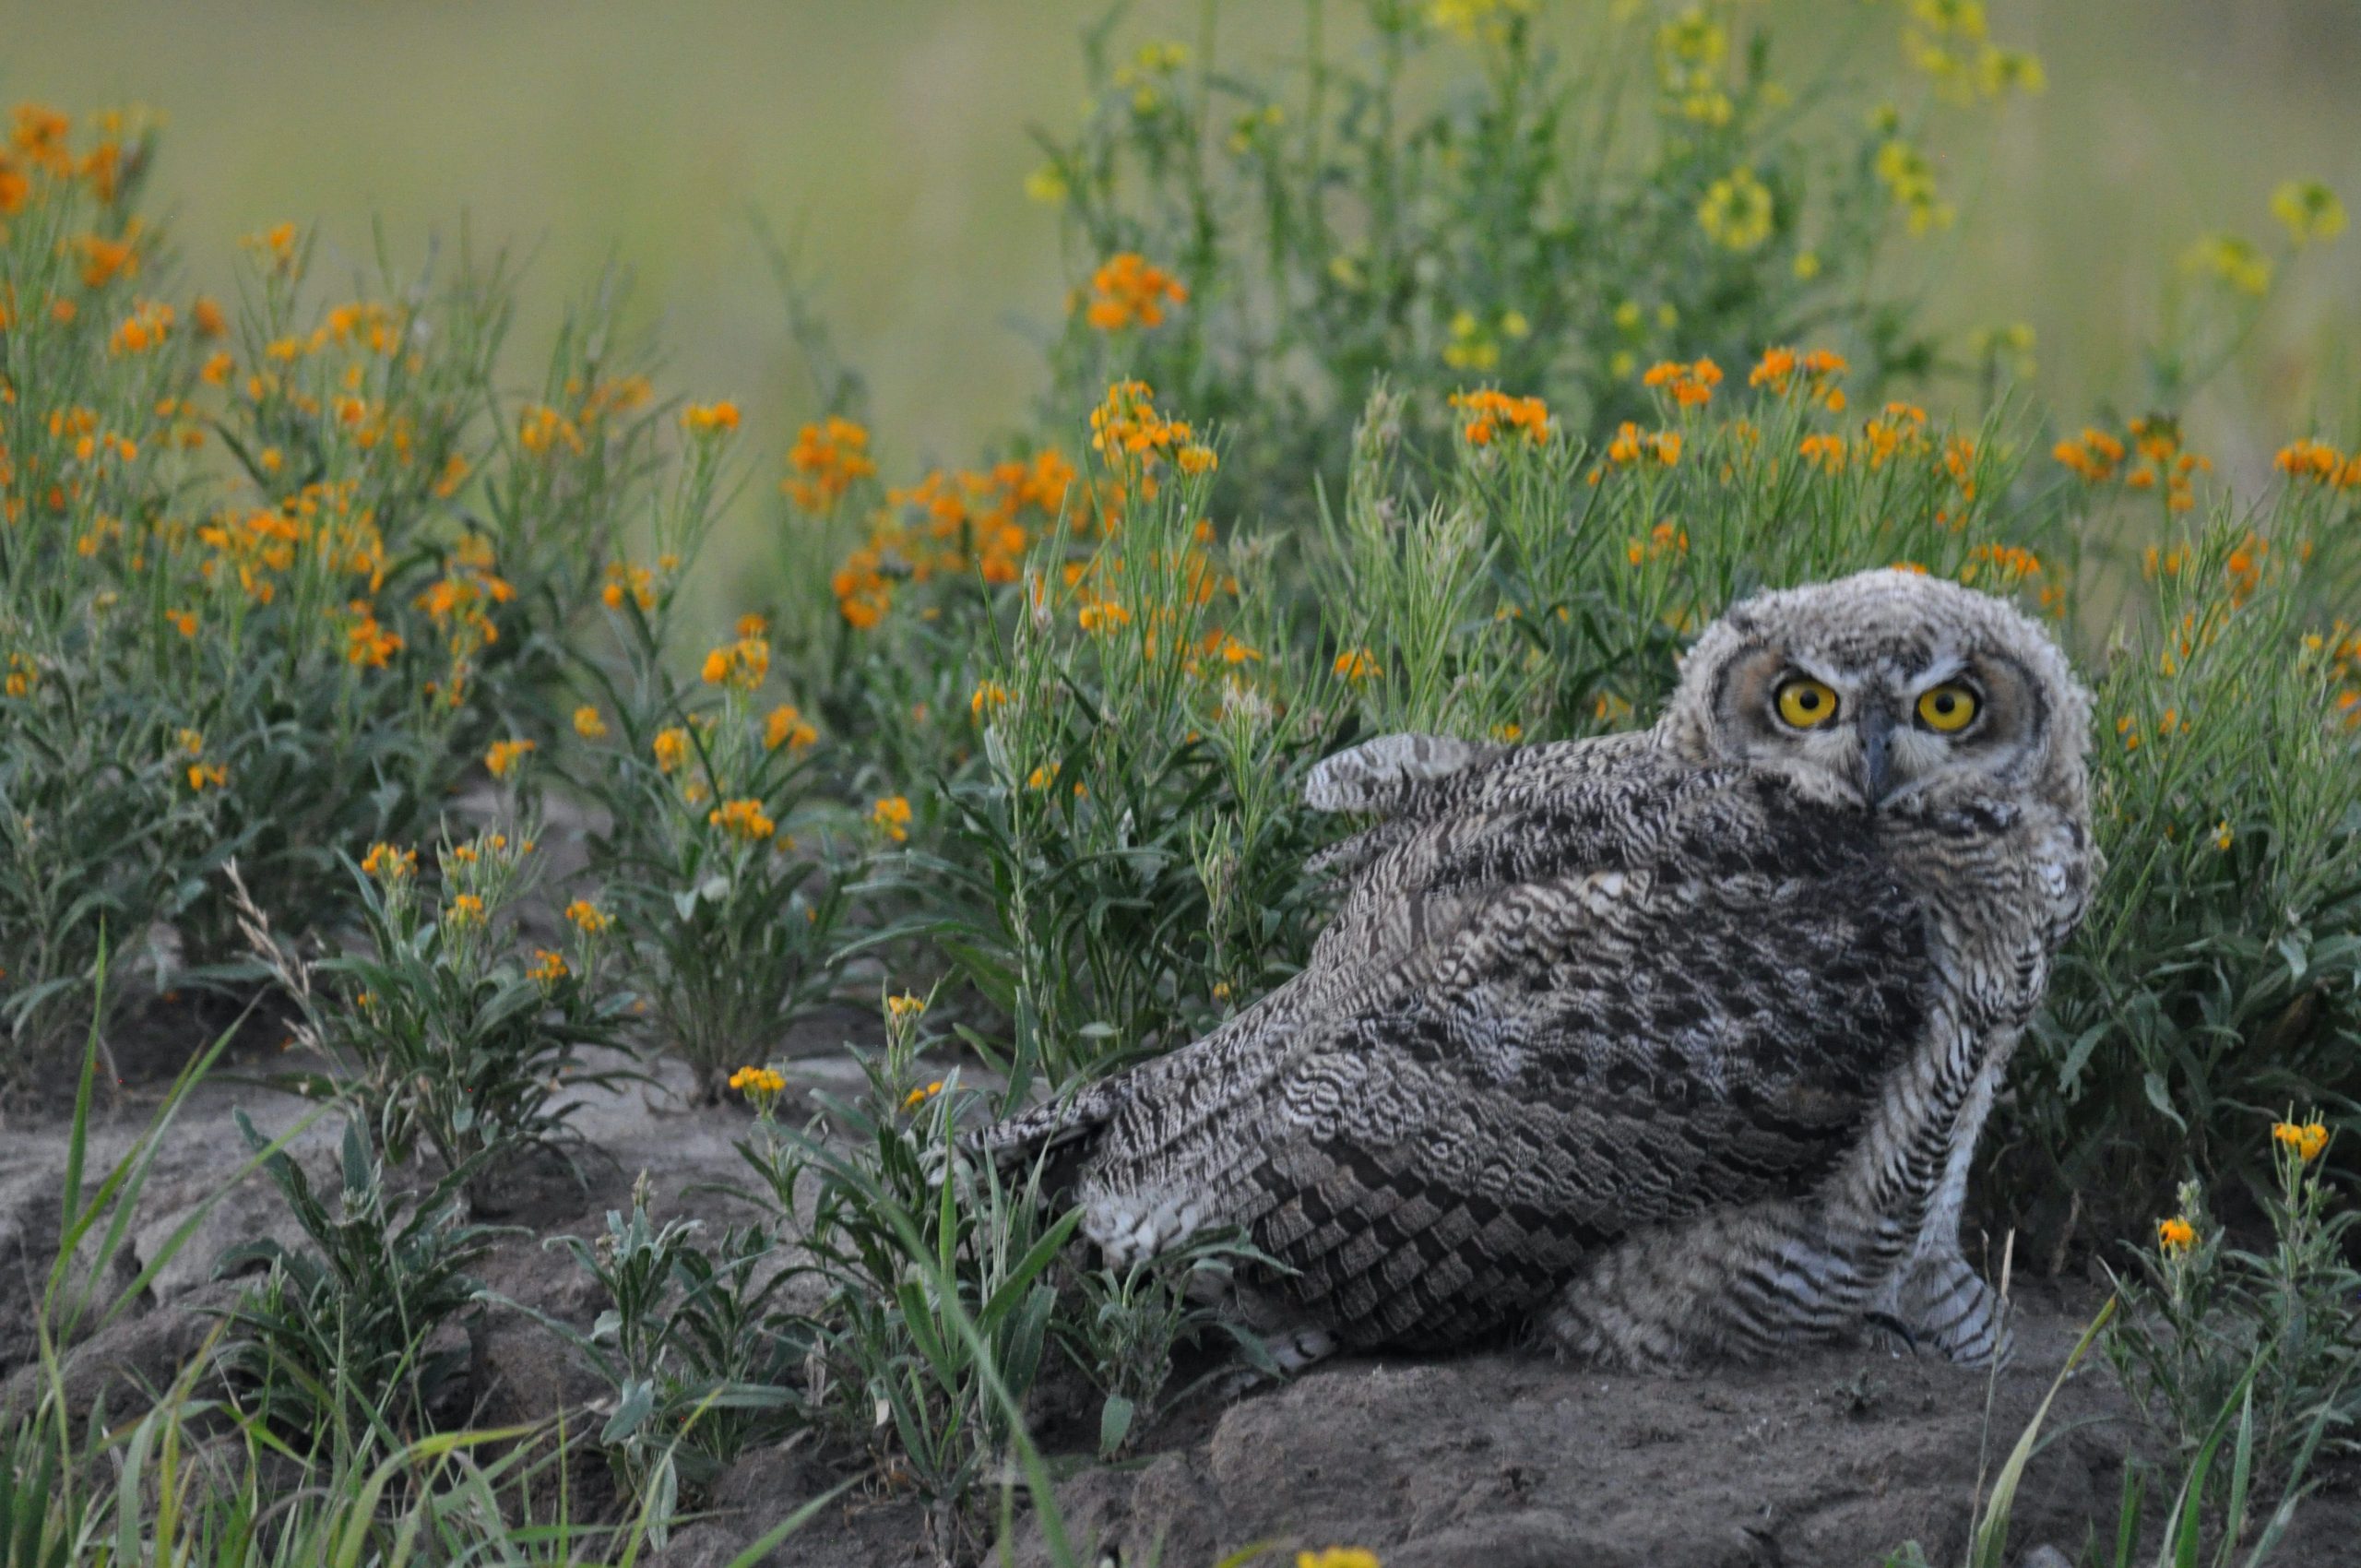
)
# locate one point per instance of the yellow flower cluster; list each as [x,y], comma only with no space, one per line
[1358,664]
[743,820]
[989,697]
[1909,182]
[1127,290]
[1738,213]
[1690,51]
[2308,1140]
[2308,211]
[1487,411]
[387,863]
[504,756]
[1471,21]
[828,459]
[2231,259]
[1951,42]
[761,1085]
[2176,1235]
[905,1006]
[890,816]
[548,967]
[1476,347]
[710,419]
[587,918]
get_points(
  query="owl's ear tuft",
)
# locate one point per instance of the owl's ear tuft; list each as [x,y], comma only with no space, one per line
[1376,775]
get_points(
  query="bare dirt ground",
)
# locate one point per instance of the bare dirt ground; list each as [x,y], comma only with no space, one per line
[1493,1460]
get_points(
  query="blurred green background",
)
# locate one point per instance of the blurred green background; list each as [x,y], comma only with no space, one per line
[888,139]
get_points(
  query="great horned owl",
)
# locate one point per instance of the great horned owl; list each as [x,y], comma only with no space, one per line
[1676,1043]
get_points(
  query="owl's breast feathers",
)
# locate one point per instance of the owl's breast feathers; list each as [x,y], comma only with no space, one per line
[1573,991]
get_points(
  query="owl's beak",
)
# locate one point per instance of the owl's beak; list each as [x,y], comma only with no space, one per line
[1876,728]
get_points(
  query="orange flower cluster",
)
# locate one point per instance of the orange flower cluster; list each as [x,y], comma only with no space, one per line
[2007,564]
[1690,386]
[38,150]
[367,644]
[2095,454]
[1631,443]
[1814,372]
[1825,453]
[741,664]
[1663,539]
[2162,461]
[891,817]
[1487,411]
[459,603]
[626,580]
[827,460]
[1135,440]
[710,419]
[1901,427]
[1128,292]
[502,759]
[2320,464]
[787,727]
[146,327]
[952,524]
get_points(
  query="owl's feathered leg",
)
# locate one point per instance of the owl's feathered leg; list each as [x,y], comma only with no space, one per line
[1738,1283]
[1948,1310]
[1937,1295]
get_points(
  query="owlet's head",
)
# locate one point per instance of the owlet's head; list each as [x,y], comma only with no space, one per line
[1886,688]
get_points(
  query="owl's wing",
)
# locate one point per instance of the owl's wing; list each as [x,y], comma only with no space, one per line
[1579,1012]
[1458,812]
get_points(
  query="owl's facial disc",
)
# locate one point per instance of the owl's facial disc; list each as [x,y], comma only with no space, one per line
[1873,735]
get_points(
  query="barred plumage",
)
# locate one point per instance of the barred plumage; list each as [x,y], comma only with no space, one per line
[1677,1042]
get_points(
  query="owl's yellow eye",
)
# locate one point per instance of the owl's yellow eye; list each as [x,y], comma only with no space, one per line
[1947,709]
[1806,704]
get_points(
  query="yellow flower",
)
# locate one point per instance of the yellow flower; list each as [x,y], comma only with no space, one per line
[787,727]
[743,820]
[2223,837]
[1041,778]
[465,911]
[505,756]
[671,748]
[2233,259]
[548,968]
[1356,664]
[1736,213]
[588,917]
[907,1005]
[890,816]
[588,724]
[921,1096]
[2309,209]
[1046,185]
[2307,1139]
[2176,1235]
[709,419]
[388,865]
